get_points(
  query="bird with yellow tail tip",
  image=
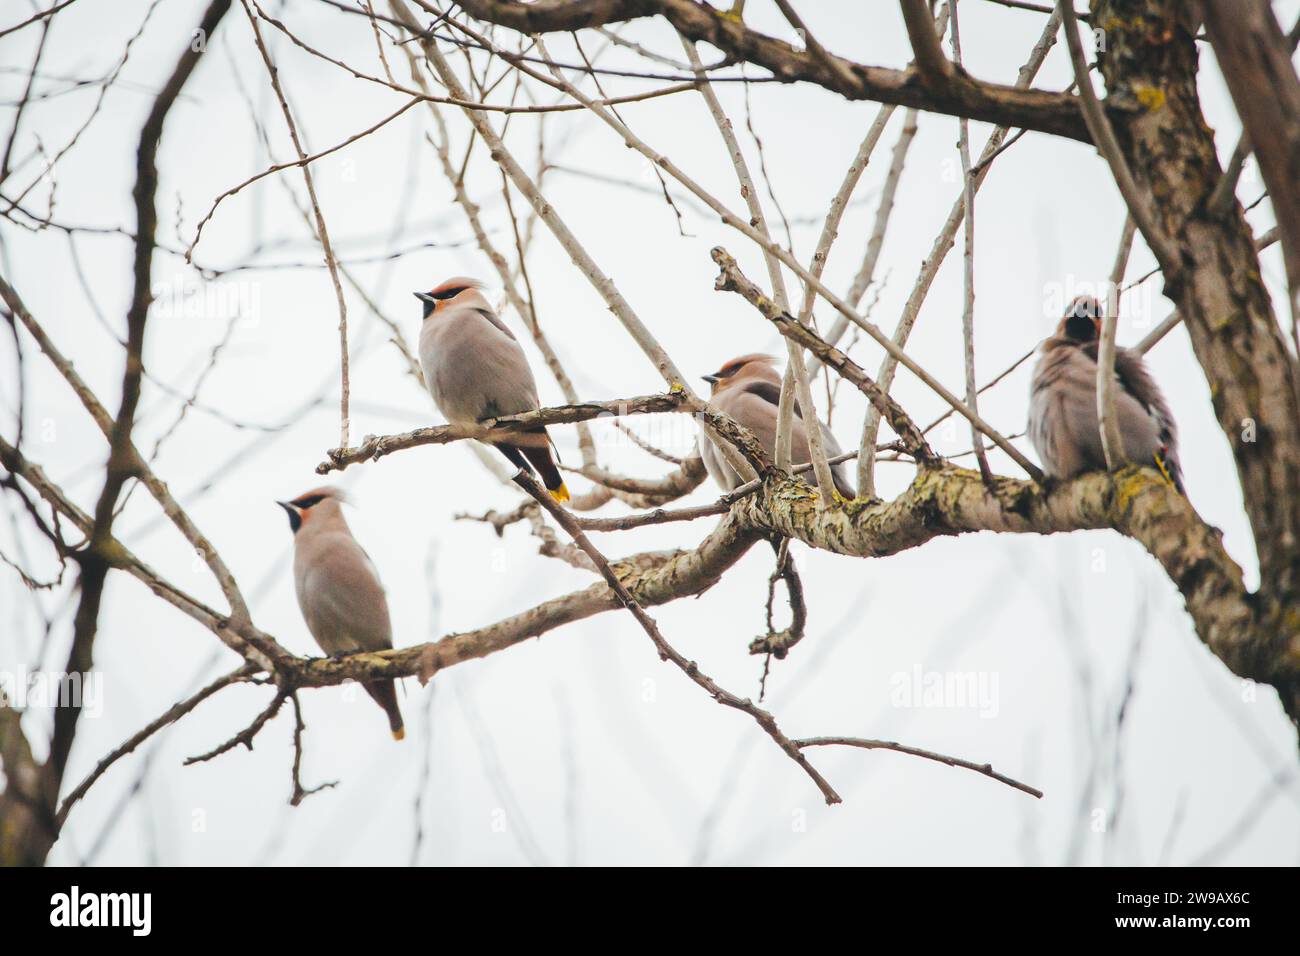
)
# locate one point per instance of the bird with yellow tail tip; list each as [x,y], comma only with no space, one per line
[338,588]
[475,369]
[1063,419]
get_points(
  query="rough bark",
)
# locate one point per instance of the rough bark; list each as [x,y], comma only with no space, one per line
[1255,59]
[1150,65]
[942,501]
[958,95]
[1136,502]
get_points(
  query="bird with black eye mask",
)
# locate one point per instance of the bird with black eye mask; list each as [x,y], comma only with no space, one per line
[338,588]
[475,369]
[1063,420]
[748,389]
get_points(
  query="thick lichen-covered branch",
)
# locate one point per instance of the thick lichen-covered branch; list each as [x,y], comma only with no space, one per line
[667,577]
[1252,638]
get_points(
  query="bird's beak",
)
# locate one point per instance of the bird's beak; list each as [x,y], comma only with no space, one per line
[295,515]
[425,297]
[711,379]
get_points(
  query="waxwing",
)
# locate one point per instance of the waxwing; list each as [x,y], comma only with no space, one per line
[339,590]
[475,369]
[1063,403]
[748,390]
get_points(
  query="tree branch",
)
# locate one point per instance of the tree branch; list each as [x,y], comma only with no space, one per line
[934,68]
[1055,113]
[374,447]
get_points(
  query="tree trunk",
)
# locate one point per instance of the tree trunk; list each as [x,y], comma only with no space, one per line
[1149,63]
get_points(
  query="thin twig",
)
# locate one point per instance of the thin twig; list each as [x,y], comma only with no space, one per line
[968,259]
[666,651]
[602,283]
[796,371]
[321,232]
[1104,137]
[374,447]
[868,744]
[938,252]
[1112,442]
[301,793]
[170,716]
[1171,321]
[245,736]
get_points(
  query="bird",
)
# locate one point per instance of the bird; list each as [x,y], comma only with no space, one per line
[1063,422]
[747,389]
[475,369]
[339,591]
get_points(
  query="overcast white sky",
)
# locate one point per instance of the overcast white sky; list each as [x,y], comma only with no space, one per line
[583,747]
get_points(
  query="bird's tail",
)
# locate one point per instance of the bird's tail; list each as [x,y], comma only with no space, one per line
[385,694]
[538,458]
[544,462]
[1168,466]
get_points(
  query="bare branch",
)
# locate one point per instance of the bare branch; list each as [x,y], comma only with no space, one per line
[933,67]
[983,768]
[602,283]
[938,252]
[732,279]
[374,447]
[1256,62]
[666,651]
[1054,113]
[170,716]
[796,373]
[1112,442]
[321,232]
[1104,138]
[968,261]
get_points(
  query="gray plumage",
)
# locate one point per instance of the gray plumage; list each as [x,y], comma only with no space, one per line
[1063,423]
[475,369]
[748,390]
[338,588]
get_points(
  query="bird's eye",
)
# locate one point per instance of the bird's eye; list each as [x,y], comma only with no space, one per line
[448,293]
[308,501]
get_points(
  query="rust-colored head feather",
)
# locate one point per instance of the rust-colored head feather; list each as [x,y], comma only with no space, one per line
[455,284]
[313,497]
[324,503]
[744,368]
[458,290]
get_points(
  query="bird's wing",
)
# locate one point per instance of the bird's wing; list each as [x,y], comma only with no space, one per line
[1136,380]
[771,393]
[755,411]
[496,321]
[1138,384]
[715,464]
[476,368]
[1063,410]
[755,406]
